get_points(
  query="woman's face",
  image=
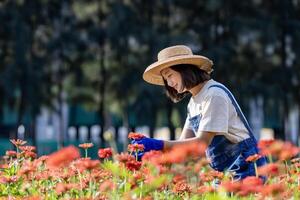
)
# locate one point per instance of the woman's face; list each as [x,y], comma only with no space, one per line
[173,79]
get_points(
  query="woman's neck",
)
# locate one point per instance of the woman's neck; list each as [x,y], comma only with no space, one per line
[195,90]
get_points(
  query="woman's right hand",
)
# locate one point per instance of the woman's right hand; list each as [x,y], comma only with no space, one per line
[149,144]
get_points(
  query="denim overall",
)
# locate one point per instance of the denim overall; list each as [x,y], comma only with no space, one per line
[225,155]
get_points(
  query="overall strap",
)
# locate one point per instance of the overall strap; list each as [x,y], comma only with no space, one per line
[237,108]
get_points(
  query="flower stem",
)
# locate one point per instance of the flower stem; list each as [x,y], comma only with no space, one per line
[136,155]
[286,167]
[255,167]
[270,158]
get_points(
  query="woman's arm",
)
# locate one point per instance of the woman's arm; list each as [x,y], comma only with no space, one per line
[186,133]
[204,136]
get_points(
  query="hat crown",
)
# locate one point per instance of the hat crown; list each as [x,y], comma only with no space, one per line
[179,50]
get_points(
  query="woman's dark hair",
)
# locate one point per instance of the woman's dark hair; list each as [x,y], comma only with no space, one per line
[191,76]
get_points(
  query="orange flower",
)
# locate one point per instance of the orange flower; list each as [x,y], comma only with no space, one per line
[11,179]
[3,166]
[295,160]
[27,148]
[135,136]
[10,153]
[182,187]
[216,174]
[279,149]
[297,165]
[86,145]
[271,169]
[105,153]
[151,156]
[289,151]
[29,154]
[178,178]
[205,189]
[86,164]
[43,158]
[107,186]
[125,157]
[64,187]
[273,190]
[27,168]
[138,176]
[43,175]
[135,147]
[262,144]
[230,186]
[200,164]
[18,142]
[205,177]
[194,149]
[253,158]
[63,157]
[251,184]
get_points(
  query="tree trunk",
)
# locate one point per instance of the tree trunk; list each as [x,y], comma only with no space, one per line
[285,113]
[152,121]
[169,118]
[21,109]
[101,111]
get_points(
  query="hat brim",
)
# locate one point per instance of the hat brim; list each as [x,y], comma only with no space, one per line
[152,74]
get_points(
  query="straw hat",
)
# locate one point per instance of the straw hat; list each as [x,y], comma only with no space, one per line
[174,55]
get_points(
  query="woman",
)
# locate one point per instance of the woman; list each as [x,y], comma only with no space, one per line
[213,115]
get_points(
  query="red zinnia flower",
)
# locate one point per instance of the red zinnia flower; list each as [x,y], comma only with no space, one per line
[133,165]
[105,153]
[63,157]
[135,136]
[253,158]
[135,147]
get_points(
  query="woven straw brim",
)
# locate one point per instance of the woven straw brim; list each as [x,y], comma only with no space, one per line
[152,74]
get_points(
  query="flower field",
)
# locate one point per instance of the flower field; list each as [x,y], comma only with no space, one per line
[181,173]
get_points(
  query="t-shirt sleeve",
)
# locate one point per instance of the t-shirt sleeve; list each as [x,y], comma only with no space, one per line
[215,114]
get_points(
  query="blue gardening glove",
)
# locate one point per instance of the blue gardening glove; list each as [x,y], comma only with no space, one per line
[150,144]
